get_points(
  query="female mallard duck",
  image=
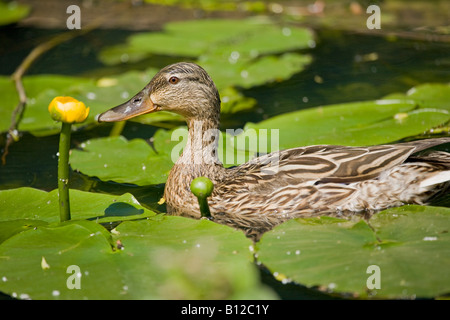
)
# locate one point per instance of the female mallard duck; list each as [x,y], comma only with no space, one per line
[302,181]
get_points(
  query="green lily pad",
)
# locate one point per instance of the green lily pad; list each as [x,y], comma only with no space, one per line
[264,70]
[408,246]
[11,227]
[33,204]
[200,259]
[234,101]
[234,52]
[168,258]
[108,92]
[34,264]
[145,259]
[428,95]
[12,12]
[122,161]
[212,36]
[117,159]
[362,123]
[98,95]
[40,91]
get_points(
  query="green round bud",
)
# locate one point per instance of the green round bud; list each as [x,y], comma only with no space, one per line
[202,187]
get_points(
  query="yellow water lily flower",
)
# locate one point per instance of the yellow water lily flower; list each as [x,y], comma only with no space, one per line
[68,110]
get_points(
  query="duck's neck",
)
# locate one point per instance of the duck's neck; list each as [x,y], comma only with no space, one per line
[201,150]
[199,159]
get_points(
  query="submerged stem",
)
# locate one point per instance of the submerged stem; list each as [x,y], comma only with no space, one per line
[117,129]
[204,207]
[63,172]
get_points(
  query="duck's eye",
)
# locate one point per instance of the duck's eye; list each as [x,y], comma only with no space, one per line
[174,80]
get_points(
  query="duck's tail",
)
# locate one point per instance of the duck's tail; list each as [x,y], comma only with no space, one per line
[438,178]
[437,158]
[417,181]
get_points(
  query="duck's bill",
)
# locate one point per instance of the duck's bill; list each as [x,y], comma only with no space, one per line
[138,105]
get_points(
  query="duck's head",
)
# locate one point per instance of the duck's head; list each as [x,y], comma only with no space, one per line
[183,88]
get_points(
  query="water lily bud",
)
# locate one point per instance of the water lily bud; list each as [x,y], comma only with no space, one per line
[202,187]
[68,110]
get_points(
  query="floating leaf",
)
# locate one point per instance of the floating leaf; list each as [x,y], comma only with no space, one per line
[62,246]
[201,259]
[362,123]
[168,258]
[40,91]
[36,205]
[198,37]
[409,245]
[108,92]
[12,12]
[11,227]
[233,101]
[119,160]
[135,161]
[261,71]
[428,95]
[233,52]
[98,95]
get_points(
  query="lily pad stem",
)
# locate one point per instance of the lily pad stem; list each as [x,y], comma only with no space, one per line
[204,207]
[117,128]
[63,172]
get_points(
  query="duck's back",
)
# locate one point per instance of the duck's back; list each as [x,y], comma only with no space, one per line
[330,179]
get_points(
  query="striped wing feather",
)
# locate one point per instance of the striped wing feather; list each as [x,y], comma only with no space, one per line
[322,164]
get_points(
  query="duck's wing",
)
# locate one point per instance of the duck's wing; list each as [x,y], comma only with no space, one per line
[327,163]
